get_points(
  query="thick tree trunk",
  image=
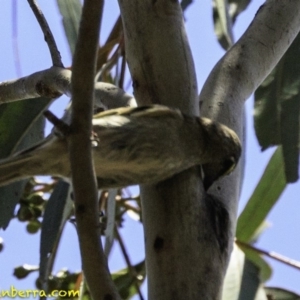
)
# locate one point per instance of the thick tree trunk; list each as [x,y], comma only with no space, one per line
[183,260]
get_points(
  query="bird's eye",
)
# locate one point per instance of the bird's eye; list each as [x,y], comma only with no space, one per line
[229,165]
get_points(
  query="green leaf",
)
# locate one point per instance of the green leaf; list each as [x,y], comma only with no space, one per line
[16,120]
[251,288]
[266,112]
[223,23]
[290,112]
[242,279]
[71,13]
[281,294]
[185,4]
[110,224]
[126,283]
[265,271]
[233,278]
[225,13]
[264,197]
[57,212]
[277,110]
[21,125]
[236,7]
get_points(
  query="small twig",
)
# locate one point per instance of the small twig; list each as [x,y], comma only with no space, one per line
[110,42]
[109,64]
[127,259]
[60,125]
[122,72]
[137,210]
[49,38]
[283,259]
[130,198]
[123,64]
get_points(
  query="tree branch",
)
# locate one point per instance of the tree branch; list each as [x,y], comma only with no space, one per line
[53,82]
[49,38]
[83,176]
[50,83]
[250,60]
[240,72]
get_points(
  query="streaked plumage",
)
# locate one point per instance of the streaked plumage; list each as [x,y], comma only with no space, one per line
[142,145]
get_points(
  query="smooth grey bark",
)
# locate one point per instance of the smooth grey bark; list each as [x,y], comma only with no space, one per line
[237,75]
[183,261]
[94,261]
[54,82]
[182,256]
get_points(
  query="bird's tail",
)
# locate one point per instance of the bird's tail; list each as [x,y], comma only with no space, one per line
[15,168]
[48,157]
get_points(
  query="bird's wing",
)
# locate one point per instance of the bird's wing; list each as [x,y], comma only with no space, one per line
[142,111]
[36,145]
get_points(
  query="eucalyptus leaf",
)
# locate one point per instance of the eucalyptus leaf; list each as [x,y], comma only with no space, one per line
[266,112]
[264,197]
[290,112]
[242,280]
[185,4]
[71,13]
[21,126]
[281,294]
[233,277]
[225,13]
[223,23]
[251,288]
[277,110]
[125,282]
[236,7]
[265,271]
[16,124]
[110,224]
[57,212]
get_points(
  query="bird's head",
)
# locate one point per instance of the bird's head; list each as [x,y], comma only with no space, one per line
[222,150]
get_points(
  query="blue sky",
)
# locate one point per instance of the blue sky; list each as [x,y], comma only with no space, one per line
[20,248]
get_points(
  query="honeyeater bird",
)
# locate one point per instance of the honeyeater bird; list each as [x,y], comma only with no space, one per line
[142,145]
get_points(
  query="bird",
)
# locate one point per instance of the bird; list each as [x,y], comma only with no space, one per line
[141,145]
